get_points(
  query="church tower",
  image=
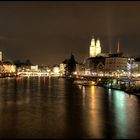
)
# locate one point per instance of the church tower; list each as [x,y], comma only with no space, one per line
[98,47]
[95,49]
[92,49]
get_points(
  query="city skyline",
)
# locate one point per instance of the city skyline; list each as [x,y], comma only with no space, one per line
[47,32]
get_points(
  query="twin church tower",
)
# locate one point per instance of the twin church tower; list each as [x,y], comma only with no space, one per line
[95,48]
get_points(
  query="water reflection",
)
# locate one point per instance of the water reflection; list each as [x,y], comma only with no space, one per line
[120,110]
[109,113]
[44,107]
[95,128]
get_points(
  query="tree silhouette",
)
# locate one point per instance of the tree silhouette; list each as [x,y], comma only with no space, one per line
[28,62]
[65,61]
[18,63]
[71,65]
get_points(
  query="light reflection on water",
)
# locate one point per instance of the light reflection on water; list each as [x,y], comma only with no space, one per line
[43,107]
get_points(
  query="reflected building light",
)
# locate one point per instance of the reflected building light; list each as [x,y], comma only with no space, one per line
[83,89]
[92,90]
[83,95]
[95,116]
[109,91]
[121,112]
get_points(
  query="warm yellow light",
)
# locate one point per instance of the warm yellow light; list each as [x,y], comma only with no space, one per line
[92,90]
[9,68]
[95,49]
[75,72]
[56,70]
[93,42]
[93,82]
[98,47]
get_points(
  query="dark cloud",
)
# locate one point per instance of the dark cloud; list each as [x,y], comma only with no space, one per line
[47,32]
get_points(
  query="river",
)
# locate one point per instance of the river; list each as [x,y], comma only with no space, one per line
[51,107]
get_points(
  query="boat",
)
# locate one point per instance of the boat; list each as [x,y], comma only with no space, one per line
[84,83]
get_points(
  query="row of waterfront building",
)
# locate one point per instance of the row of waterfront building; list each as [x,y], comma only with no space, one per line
[9,69]
[108,64]
[97,64]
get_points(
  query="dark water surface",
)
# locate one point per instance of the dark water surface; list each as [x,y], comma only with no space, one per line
[56,108]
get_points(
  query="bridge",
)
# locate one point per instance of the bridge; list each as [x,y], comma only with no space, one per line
[33,73]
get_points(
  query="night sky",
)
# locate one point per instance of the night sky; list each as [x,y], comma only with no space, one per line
[47,32]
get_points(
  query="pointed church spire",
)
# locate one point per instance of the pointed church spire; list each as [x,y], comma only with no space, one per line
[92,49]
[98,47]
[98,43]
[118,48]
[93,41]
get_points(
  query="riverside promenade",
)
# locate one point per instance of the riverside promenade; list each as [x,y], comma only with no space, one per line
[129,85]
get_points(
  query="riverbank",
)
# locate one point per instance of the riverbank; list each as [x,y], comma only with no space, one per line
[127,86]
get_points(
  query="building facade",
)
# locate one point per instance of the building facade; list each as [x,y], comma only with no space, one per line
[1,56]
[116,64]
[94,65]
